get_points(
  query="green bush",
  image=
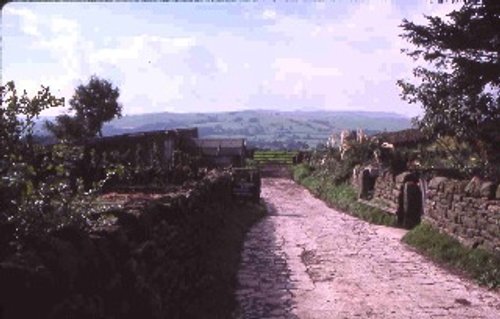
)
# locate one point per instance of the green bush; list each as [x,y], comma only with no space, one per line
[301,171]
[478,263]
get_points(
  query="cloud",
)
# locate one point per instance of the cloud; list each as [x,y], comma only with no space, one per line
[29,21]
[222,66]
[215,58]
[286,66]
[269,14]
[141,48]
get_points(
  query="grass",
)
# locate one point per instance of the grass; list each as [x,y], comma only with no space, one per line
[341,196]
[477,263]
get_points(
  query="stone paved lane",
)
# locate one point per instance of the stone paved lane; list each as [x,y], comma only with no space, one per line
[306,260]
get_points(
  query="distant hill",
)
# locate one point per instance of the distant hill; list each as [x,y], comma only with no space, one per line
[264,128]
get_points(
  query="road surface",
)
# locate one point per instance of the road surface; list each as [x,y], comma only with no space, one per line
[306,260]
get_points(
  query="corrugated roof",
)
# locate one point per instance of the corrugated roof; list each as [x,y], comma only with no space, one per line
[129,136]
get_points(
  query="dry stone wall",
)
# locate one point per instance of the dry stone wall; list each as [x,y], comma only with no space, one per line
[397,194]
[387,190]
[466,210]
[151,261]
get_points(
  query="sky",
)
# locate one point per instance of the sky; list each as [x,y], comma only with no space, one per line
[214,57]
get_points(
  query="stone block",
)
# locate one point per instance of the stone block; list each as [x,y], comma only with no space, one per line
[436,182]
[453,228]
[395,193]
[449,187]
[494,230]
[497,194]
[460,186]
[473,187]
[470,222]
[487,190]
[405,177]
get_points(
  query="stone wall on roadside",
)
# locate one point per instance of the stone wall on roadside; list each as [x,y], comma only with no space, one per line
[466,210]
[148,261]
[399,194]
[386,190]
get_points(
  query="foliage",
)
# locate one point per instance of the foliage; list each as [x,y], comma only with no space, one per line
[450,152]
[341,169]
[93,104]
[342,196]
[39,189]
[17,149]
[67,128]
[459,91]
[250,163]
[301,171]
[17,120]
[478,263]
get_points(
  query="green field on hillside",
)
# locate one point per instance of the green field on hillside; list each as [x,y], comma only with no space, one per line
[262,128]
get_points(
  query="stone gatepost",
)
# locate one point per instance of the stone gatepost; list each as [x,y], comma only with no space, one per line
[364,183]
[412,204]
[409,199]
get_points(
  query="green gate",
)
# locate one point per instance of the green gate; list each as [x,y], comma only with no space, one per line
[275,163]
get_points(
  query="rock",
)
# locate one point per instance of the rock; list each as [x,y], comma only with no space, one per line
[450,187]
[473,187]
[487,190]
[497,195]
[460,186]
[495,209]
[404,177]
[436,182]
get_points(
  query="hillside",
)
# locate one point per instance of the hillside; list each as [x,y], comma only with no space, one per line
[264,128]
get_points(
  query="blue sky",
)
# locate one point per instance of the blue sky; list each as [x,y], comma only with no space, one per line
[211,57]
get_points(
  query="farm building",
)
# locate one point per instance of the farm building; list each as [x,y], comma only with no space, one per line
[144,148]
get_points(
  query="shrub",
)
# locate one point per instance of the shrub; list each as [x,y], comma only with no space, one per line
[301,171]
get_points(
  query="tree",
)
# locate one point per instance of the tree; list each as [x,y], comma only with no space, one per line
[68,128]
[459,90]
[17,122]
[94,104]
[38,190]
[18,152]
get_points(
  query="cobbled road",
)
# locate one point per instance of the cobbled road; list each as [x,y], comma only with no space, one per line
[306,260]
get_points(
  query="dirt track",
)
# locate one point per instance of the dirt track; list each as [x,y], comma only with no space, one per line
[307,260]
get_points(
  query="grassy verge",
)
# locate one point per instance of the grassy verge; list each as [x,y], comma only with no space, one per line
[342,196]
[479,264]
